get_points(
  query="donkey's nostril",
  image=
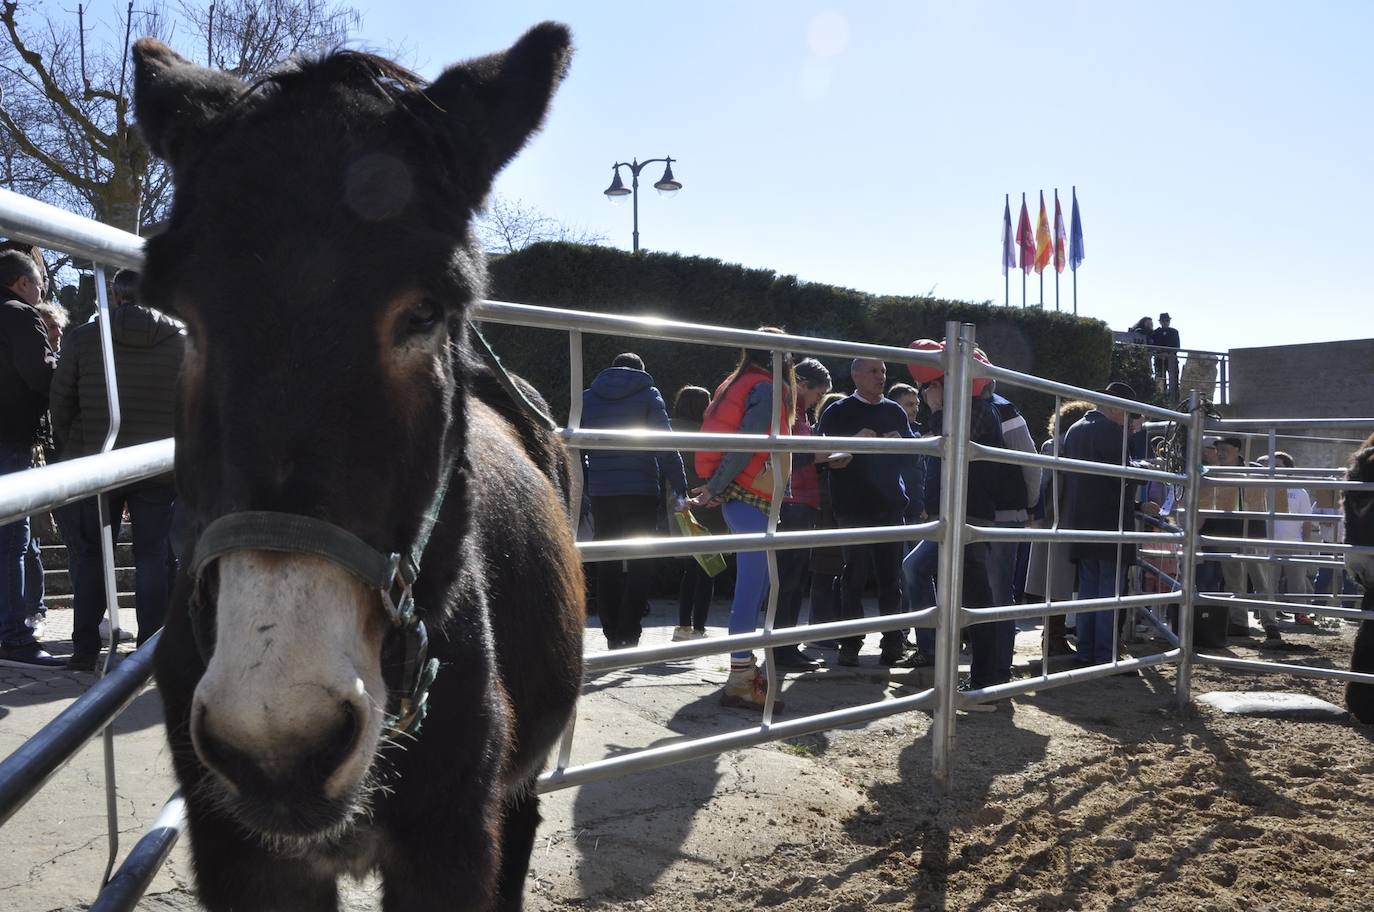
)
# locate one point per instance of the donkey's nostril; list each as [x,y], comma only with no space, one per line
[341,742]
[299,764]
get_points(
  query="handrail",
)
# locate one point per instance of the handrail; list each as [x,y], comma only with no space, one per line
[123,890]
[25,771]
[48,487]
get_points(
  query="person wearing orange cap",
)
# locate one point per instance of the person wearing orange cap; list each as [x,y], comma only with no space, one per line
[988,666]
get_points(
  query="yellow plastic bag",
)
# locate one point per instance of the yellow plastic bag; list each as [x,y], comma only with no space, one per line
[687,524]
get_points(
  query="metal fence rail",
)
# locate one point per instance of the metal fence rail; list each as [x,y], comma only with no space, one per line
[25,771]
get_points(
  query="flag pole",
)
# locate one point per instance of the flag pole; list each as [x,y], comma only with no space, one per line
[1075,268]
[1042,289]
[1006,270]
[1021,253]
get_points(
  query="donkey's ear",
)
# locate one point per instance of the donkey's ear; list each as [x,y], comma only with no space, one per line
[500,100]
[174,99]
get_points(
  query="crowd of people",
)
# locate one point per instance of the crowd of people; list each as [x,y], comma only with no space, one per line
[54,406]
[838,489]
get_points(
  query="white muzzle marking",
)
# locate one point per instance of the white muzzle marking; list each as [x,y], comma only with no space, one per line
[297,646]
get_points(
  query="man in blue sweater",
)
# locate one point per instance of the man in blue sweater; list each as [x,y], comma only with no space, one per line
[624,489]
[869,491]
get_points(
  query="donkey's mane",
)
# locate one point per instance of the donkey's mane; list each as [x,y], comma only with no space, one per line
[355,68]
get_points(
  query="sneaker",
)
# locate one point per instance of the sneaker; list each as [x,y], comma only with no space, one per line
[792,658]
[687,633]
[824,644]
[1272,634]
[124,635]
[980,708]
[848,659]
[747,688]
[919,659]
[30,655]
[37,622]
[83,662]
[1059,646]
[891,655]
[1304,620]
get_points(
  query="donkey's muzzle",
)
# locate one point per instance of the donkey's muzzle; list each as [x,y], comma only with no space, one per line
[292,790]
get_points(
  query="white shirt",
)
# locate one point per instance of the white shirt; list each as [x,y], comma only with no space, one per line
[1299,501]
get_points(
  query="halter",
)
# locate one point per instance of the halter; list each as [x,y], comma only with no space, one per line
[391,575]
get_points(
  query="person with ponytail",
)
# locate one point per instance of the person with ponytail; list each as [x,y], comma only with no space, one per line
[742,485]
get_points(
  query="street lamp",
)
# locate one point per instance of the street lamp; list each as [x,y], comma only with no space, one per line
[667,185]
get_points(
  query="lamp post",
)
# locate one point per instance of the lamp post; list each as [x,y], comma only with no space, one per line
[666,185]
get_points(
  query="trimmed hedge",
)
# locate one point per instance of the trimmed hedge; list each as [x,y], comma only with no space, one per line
[702,290]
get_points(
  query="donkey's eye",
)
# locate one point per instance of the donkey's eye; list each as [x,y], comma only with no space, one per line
[425,316]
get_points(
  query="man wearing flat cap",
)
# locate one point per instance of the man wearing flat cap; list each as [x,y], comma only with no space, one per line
[1166,363]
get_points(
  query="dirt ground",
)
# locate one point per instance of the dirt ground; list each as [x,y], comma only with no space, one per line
[1098,796]
[1092,797]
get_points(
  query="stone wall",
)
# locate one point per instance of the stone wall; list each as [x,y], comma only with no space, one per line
[1316,380]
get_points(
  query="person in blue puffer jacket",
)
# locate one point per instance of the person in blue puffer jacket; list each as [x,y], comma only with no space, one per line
[624,488]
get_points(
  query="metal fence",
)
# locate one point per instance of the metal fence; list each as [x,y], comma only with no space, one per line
[23,773]
[1208,372]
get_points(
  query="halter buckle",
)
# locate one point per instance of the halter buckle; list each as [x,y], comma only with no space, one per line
[398,599]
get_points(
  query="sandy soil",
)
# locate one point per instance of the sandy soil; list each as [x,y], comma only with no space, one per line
[1084,798]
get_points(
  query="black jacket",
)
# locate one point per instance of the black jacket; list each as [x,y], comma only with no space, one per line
[1096,501]
[985,427]
[149,347]
[26,370]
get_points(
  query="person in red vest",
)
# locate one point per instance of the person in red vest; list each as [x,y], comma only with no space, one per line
[742,485]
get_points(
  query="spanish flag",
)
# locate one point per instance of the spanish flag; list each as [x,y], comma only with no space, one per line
[1025,239]
[1043,246]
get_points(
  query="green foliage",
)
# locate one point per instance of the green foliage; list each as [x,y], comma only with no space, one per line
[702,290]
[1132,364]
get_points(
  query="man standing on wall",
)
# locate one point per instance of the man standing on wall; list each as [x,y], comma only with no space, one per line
[1166,363]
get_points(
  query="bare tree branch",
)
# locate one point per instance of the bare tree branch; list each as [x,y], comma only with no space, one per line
[51,89]
[65,117]
[507,226]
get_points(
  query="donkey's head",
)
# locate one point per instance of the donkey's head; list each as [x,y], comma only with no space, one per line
[320,252]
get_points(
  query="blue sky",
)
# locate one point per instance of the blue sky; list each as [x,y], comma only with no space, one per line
[1221,150]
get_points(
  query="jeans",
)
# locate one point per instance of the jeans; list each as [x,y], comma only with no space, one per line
[1002,557]
[987,666]
[150,511]
[14,544]
[751,574]
[882,559]
[33,577]
[623,595]
[1096,579]
[793,564]
[918,582]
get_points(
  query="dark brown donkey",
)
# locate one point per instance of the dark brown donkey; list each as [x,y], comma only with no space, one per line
[340,449]
[1359,530]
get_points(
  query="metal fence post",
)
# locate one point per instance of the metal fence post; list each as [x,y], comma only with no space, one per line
[780,479]
[1188,567]
[953,510]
